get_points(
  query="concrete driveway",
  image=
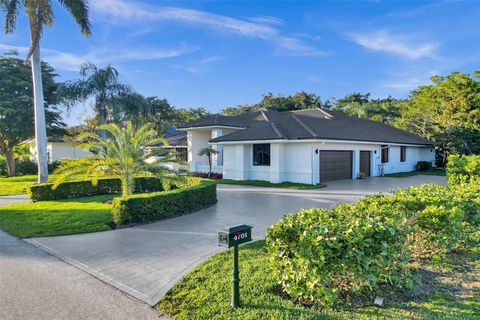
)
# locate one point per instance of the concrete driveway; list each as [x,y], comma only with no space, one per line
[147,260]
[12,199]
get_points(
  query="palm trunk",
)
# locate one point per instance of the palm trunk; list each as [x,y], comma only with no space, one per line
[40,125]
[10,162]
[210,166]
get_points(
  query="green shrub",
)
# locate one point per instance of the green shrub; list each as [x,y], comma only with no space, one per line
[321,255]
[424,166]
[463,169]
[83,188]
[193,194]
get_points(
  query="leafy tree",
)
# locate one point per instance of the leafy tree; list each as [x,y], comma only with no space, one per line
[361,106]
[40,14]
[123,155]
[447,111]
[299,101]
[209,153]
[16,105]
[182,116]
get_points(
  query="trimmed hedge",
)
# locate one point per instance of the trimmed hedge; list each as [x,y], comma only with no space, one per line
[84,188]
[191,196]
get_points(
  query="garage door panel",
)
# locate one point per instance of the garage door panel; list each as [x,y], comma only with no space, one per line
[335,165]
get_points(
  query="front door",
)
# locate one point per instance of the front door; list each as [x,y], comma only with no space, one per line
[365,163]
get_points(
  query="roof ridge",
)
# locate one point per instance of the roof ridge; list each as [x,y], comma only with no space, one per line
[274,127]
[329,116]
[264,115]
[300,122]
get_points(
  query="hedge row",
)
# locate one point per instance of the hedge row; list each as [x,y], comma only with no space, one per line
[194,195]
[322,255]
[83,188]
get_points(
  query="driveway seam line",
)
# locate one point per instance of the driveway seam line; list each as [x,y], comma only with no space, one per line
[81,266]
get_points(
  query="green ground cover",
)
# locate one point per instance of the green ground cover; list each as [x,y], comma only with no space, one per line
[15,185]
[53,218]
[433,172]
[446,289]
[260,183]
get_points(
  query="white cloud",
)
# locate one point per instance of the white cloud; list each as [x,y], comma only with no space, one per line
[127,9]
[71,62]
[199,67]
[382,40]
[267,20]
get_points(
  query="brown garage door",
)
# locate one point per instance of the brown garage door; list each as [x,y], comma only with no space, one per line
[365,162]
[335,165]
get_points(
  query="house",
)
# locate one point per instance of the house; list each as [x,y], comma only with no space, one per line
[59,148]
[305,146]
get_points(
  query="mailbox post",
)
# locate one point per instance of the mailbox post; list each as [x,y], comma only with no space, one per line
[232,237]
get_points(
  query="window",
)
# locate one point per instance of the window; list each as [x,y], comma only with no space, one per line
[261,154]
[385,153]
[403,154]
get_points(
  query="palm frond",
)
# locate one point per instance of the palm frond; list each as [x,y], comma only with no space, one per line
[11,13]
[79,10]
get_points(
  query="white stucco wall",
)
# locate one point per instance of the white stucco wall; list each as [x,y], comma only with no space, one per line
[61,150]
[298,162]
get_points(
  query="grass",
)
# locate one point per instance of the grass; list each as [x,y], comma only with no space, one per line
[433,172]
[15,185]
[449,291]
[53,218]
[260,183]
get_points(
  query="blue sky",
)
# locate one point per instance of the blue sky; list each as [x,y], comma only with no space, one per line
[217,54]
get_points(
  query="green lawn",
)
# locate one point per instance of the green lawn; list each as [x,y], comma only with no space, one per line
[450,291]
[53,218]
[433,172]
[260,183]
[15,185]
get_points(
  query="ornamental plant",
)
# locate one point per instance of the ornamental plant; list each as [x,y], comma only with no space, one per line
[123,154]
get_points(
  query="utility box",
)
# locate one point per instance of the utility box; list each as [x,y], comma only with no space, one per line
[230,237]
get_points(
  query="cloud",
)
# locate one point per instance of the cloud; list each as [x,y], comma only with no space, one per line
[267,20]
[132,10]
[382,40]
[71,62]
[199,67]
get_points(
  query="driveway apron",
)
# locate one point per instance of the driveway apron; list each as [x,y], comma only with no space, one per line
[146,261]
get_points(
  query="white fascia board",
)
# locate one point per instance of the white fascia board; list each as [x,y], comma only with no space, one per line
[209,127]
[321,141]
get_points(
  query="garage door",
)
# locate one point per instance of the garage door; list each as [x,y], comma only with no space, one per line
[365,162]
[335,165]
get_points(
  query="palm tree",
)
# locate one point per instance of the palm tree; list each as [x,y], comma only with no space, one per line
[102,84]
[123,155]
[40,14]
[208,152]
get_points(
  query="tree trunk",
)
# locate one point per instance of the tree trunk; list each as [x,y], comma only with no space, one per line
[40,125]
[210,166]
[10,163]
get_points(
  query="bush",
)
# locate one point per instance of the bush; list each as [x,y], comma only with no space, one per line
[463,169]
[423,166]
[83,188]
[25,167]
[321,255]
[194,194]
[205,175]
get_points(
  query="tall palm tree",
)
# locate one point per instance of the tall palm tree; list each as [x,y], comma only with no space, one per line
[209,152]
[101,84]
[40,14]
[123,155]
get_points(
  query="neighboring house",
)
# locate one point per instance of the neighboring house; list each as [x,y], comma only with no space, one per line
[306,146]
[58,149]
